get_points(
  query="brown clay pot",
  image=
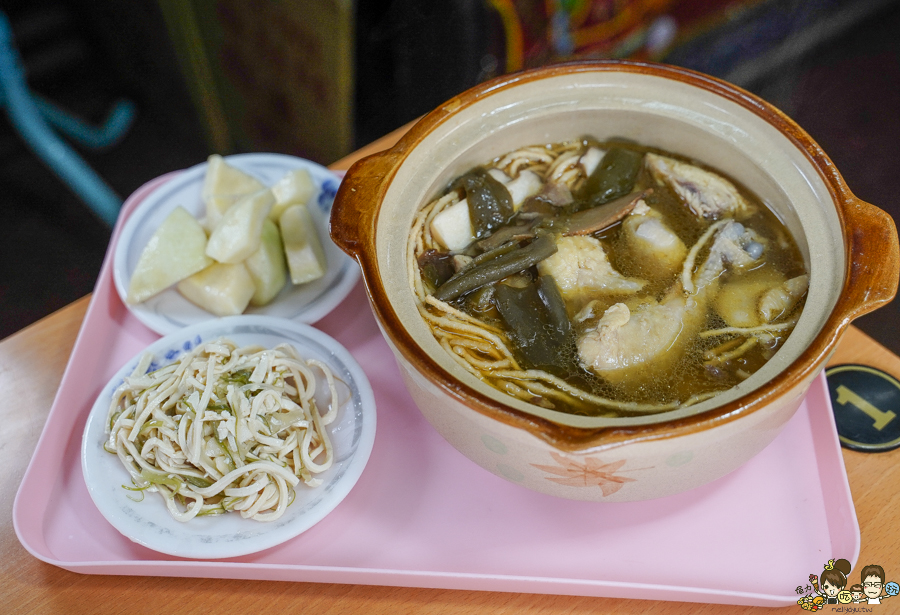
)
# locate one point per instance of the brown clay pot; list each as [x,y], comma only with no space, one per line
[850,247]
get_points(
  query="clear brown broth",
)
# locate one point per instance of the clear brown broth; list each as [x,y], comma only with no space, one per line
[689,376]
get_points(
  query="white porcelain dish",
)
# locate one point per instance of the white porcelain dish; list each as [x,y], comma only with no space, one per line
[149,523]
[169,310]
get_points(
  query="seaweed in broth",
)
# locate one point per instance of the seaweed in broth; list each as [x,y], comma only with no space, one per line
[680,249]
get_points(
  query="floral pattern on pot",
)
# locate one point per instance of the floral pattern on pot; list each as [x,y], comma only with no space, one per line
[589,472]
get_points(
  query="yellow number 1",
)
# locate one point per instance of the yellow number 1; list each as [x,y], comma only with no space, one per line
[880,417]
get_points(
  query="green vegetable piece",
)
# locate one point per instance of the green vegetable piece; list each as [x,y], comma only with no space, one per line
[241,377]
[158,478]
[197,481]
[490,204]
[484,257]
[504,248]
[497,268]
[149,426]
[211,512]
[480,301]
[136,488]
[613,177]
[515,233]
[557,317]
[536,340]
[112,421]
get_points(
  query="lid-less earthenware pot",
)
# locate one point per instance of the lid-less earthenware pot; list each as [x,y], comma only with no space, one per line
[850,248]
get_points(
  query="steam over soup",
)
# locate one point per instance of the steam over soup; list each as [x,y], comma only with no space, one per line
[605,278]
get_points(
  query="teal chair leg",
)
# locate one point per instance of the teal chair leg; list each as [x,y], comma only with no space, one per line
[27,116]
[113,129]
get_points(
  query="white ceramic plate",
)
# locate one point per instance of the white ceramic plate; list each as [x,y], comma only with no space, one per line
[149,523]
[169,310]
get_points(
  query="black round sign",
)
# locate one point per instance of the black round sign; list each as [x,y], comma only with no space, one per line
[866,403]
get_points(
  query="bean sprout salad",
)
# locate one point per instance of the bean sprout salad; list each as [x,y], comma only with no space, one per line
[224,429]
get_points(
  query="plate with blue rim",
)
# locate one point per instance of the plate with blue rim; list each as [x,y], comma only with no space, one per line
[169,311]
[145,519]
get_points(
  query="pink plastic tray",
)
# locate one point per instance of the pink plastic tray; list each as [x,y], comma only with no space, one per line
[422,515]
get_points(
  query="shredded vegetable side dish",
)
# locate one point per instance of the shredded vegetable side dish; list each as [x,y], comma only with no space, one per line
[224,429]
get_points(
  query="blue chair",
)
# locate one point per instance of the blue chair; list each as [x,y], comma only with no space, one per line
[32,117]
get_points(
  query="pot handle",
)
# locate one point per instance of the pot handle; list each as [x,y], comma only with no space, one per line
[352,223]
[874,258]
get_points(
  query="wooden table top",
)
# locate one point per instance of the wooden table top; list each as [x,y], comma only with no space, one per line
[31,366]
